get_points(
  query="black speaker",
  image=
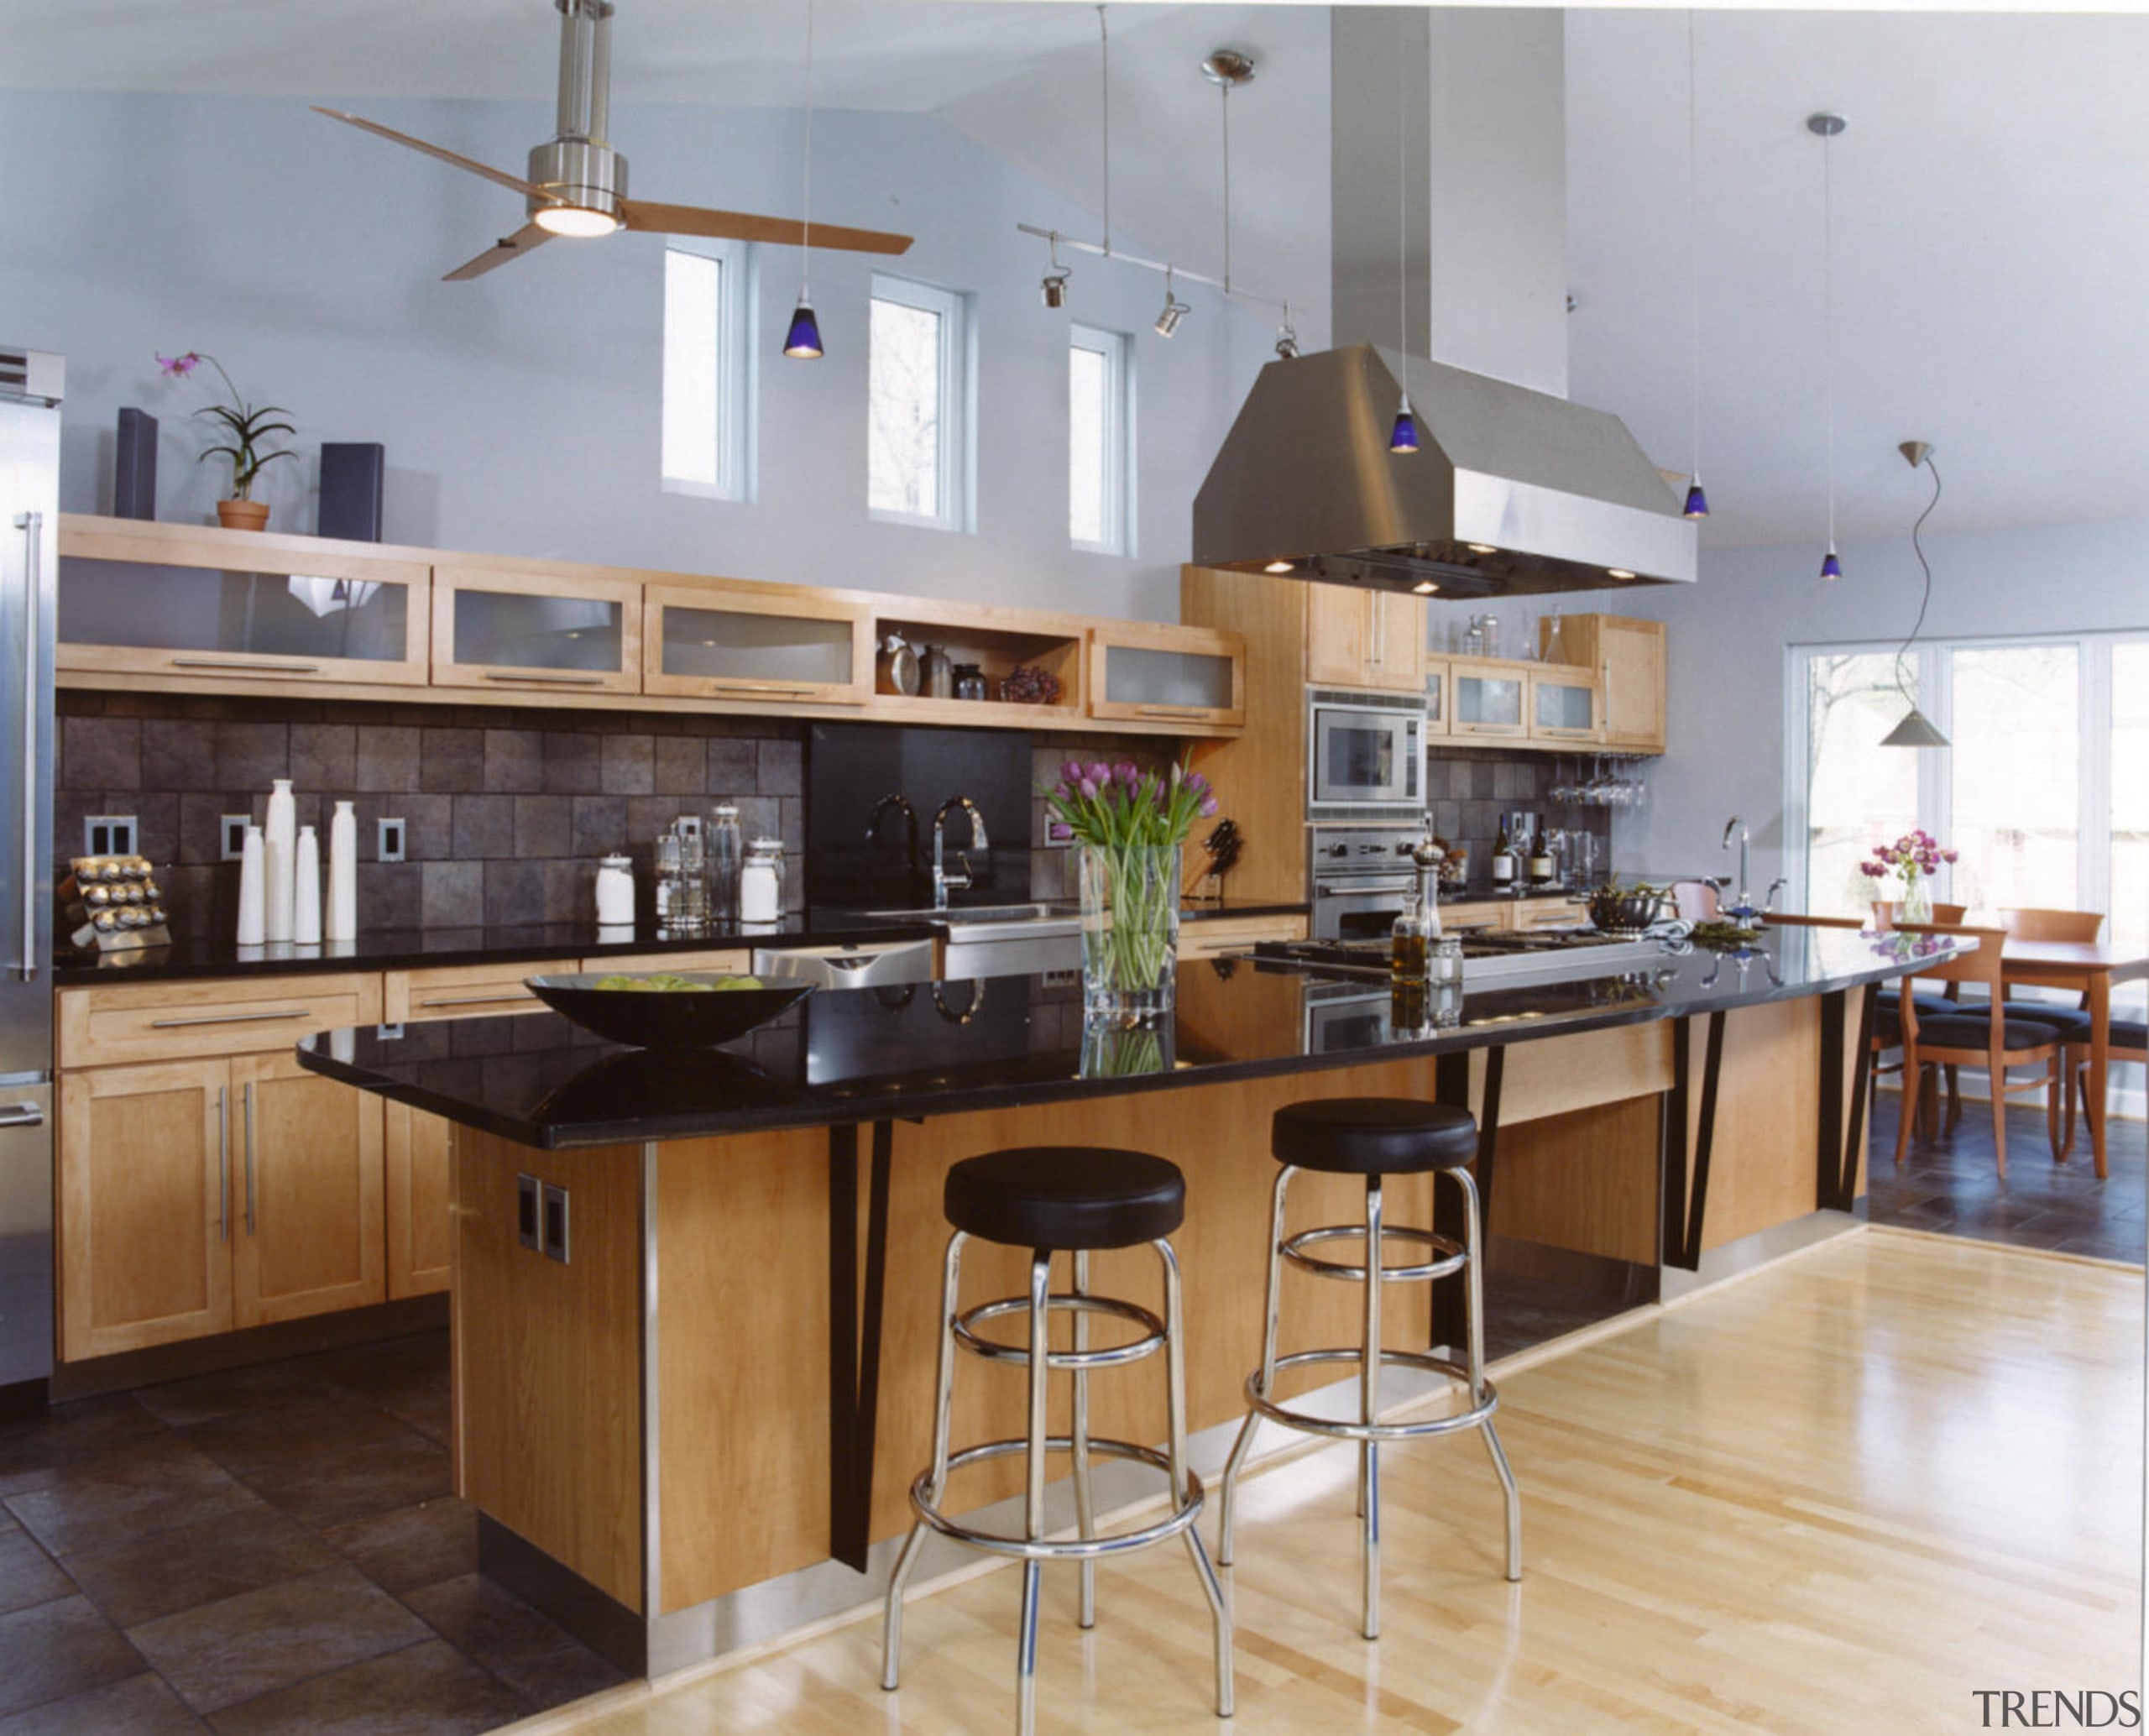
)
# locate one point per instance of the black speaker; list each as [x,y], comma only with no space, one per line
[134,469]
[350,472]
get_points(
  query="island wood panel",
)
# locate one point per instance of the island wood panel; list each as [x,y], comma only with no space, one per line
[1585,1180]
[1762,1170]
[548,1357]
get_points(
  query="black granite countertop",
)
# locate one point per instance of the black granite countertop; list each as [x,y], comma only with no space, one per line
[420,948]
[853,1055]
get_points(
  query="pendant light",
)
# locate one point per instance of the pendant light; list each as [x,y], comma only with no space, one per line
[1825,126]
[1697,501]
[802,341]
[1915,730]
[1403,438]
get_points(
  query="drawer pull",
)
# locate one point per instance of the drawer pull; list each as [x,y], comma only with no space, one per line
[22,1115]
[230,667]
[479,999]
[562,680]
[228,1018]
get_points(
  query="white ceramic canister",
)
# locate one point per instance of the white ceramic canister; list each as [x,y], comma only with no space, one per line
[616,892]
[280,838]
[761,881]
[305,889]
[251,889]
[341,919]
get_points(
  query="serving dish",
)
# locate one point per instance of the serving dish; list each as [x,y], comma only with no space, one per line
[700,1016]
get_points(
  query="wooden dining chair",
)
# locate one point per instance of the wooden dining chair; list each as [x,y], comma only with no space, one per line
[2085,927]
[1964,1036]
[1887,1034]
[1695,901]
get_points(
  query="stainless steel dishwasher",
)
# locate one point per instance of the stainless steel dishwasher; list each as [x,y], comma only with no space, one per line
[862,965]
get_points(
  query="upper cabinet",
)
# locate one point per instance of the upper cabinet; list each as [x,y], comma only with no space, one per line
[1628,658]
[1162,674]
[1439,688]
[498,628]
[713,642]
[1563,703]
[1363,638]
[191,603]
[1490,698]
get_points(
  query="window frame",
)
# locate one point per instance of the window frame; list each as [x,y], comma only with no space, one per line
[1117,349]
[737,371]
[955,460]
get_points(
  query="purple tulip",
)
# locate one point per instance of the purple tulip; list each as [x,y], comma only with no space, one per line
[1195,780]
[1208,808]
[1089,790]
[1059,831]
[1099,772]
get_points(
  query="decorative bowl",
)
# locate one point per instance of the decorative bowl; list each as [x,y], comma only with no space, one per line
[1625,910]
[699,1016]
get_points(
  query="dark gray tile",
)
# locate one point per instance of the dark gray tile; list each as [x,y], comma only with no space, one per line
[544,825]
[782,769]
[762,817]
[599,825]
[484,827]
[388,758]
[425,1689]
[324,756]
[51,1650]
[733,766]
[571,763]
[157,1485]
[629,764]
[156,817]
[249,755]
[27,1575]
[139,1579]
[430,820]
[570,894]
[233,1392]
[391,894]
[100,753]
[407,1547]
[179,754]
[258,1447]
[233,1651]
[452,760]
[452,895]
[514,761]
[69,1437]
[134,1706]
[515,892]
[544,1663]
[646,816]
[682,766]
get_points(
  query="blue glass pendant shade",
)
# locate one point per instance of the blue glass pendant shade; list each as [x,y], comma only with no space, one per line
[1404,438]
[1831,568]
[804,340]
[1698,502]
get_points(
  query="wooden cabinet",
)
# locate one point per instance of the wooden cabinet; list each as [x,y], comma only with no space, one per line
[1628,657]
[1563,703]
[183,603]
[1212,936]
[1489,698]
[1167,674]
[104,1026]
[1439,697]
[1364,638]
[714,642]
[465,991]
[1527,913]
[501,629]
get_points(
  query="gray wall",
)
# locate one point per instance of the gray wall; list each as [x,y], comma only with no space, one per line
[520,411]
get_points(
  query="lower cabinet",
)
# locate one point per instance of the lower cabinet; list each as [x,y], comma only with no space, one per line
[420,1228]
[199,1196]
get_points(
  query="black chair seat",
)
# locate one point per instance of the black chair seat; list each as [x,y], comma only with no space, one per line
[2125,1034]
[2072,1023]
[1373,1136]
[1066,1197]
[1933,1007]
[1967,1030]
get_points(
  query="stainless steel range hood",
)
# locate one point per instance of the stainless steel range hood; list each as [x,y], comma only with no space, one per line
[1512,492]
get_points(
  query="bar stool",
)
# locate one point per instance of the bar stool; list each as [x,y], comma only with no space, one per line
[1375,1137]
[1076,1200]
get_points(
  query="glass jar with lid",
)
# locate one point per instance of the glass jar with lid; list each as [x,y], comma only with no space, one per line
[969,681]
[761,881]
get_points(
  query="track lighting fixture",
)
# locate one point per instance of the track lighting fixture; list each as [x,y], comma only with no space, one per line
[1174,310]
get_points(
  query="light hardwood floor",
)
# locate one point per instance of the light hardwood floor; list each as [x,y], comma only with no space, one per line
[1839,1495]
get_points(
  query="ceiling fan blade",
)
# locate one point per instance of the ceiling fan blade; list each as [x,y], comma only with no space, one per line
[508,247]
[486,170]
[746,226]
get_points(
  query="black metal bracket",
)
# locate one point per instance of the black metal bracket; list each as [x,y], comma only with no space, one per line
[1835,1184]
[1451,1086]
[1685,1210]
[855,1336]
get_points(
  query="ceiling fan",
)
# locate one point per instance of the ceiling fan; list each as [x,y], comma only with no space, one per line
[577,184]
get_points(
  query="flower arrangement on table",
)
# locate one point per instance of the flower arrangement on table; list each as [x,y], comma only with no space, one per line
[245,426]
[1129,825]
[1916,857]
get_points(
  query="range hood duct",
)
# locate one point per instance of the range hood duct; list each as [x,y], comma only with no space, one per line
[1562,496]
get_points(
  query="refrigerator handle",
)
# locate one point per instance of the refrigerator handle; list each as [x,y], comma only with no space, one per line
[32,526]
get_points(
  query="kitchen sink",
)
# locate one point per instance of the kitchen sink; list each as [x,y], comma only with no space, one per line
[963,915]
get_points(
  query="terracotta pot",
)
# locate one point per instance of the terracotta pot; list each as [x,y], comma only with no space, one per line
[242,515]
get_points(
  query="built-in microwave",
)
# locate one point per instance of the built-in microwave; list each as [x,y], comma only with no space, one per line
[1365,751]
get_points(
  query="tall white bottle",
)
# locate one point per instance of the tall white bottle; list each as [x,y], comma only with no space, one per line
[250,889]
[306,889]
[343,918]
[279,846]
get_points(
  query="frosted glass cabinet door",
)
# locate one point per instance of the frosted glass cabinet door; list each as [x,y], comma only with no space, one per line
[1562,707]
[145,604]
[718,642]
[1440,691]
[499,628]
[1170,674]
[1488,699]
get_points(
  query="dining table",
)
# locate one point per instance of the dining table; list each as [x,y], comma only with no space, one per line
[2093,969]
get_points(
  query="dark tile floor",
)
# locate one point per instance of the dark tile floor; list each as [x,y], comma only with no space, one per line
[1953,1185]
[273,1549]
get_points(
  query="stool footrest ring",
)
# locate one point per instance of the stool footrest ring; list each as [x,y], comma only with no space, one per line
[1114,1355]
[1072,1549]
[1452,1261]
[1416,1429]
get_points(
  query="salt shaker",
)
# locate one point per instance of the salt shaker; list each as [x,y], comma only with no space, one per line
[761,881]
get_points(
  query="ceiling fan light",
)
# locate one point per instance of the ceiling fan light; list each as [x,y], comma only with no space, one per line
[1915,730]
[1698,502]
[576,222]
[802,341]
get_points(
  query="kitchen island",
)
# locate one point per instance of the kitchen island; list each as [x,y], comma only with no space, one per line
[693,1371]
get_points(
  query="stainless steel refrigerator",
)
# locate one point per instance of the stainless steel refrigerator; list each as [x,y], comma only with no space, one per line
[30,385]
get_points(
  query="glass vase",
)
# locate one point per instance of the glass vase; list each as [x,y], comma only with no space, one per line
[1130,896]
[1918,900]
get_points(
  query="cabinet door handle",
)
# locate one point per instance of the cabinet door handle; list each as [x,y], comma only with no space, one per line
[560,681]
[224,1163]
[232,668]
[32,526]
[247,1101]
[22,1115]
[1173,712]
[477,1000]
[229,1019]
[761,689]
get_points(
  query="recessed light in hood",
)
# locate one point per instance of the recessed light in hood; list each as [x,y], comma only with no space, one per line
[1510,493]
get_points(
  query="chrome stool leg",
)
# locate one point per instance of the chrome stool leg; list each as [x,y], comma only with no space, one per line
[1175,1423]
[1244,1444]
[1369,1413]
[1040,1373]
[891,1628]
[1086,1512]
[1473,1242]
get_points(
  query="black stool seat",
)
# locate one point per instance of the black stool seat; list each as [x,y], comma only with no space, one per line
[1373,1136]
[1066,1197]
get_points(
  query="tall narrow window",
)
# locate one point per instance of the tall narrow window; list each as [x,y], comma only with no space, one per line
[2130,785]
[1856,796]
[708,368]
[916,462]
[2016,765]
[1099,442]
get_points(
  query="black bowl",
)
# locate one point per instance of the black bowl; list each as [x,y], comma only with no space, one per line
[643,1018]
[1625,910]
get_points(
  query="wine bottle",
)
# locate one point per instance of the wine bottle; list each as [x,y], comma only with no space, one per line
[1540,859]
[1503,858]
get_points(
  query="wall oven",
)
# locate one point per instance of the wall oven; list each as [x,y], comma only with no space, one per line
[1365,756]
[1360,877]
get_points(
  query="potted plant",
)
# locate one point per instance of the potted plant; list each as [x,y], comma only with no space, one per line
[1917,856]
[1128,827]
[245,426]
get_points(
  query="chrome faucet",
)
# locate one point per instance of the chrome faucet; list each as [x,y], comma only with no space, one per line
[901,805]
[943,881]
[1743,910]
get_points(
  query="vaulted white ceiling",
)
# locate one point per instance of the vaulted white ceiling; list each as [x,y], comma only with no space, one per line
[1991,229]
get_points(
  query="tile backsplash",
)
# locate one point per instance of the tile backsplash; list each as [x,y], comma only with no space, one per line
[1467,792]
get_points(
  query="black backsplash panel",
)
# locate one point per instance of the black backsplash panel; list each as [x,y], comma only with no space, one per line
[850,767]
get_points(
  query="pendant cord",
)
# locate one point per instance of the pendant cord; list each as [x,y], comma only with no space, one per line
[1917,548]
[1693,252]
[1104,85]
[1402,264]
[1226,88]
[806,243]
[1829,316]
